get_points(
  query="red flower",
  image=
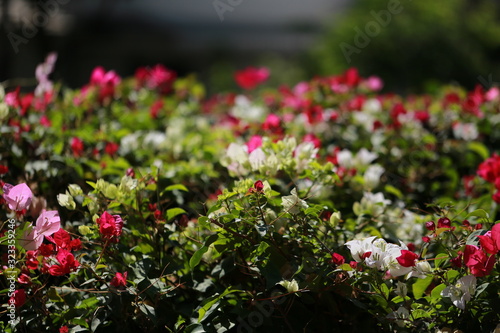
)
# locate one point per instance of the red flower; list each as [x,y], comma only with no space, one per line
[309,137]
[478,262]
[46,250]
[18,298]
[77,147]
[3,169]
[110,226]
[490,242]
[119,280]
[67,263]
[64,329]
[407,258]
[63,241]
[111,148]
[489,170]
[338,259]
[24,278]
[31,260]
[251,77]
[444,222]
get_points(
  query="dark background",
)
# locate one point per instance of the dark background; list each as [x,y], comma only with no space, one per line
[427,43]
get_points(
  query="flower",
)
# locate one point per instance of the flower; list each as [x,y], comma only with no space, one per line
[47,223]
[64,329]
[490,241]
[292,203]
[251,77]
[407,258]
[67,263]
[338,259]
[110,226]
[17,197]
[18,298]
[461,292]
[290,286]
[77,147]
[119,280]
[477,261]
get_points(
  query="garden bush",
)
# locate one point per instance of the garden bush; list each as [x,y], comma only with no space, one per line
[142,205]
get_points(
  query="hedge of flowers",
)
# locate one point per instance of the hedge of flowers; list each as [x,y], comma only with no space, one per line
[143,205]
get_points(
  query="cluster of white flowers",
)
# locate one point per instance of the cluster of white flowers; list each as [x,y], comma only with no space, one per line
[269,159]
[377,253]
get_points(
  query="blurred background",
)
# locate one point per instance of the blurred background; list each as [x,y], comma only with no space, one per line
[411,45]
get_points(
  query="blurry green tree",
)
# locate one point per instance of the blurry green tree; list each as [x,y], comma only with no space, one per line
[415,44]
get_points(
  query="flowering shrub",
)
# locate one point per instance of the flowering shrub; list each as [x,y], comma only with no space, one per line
[140,204]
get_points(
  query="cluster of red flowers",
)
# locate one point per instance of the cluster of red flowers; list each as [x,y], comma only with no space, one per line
[481,259]
[57,259]
[78,148]
[489,170]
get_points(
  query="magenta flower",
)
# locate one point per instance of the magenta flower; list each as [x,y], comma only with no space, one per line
[17,197]
[119,280]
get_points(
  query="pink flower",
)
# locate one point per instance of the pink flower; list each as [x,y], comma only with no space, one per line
[110,226]
[251,77]
[254,143]
[17,197]
[47,223]
[374,83]
[119,280]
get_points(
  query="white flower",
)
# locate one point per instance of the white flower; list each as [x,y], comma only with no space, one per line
[66,200]
[364,157]
[292,203]
[304,154]
[345,159]
[372,176]
[257,159]
[290,286]
[245,110]
[461,292]
[467,131]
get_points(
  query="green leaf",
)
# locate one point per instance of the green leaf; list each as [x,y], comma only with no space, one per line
[88,303]
[173,212]
[179,187]
[436,292]
[440,259]
[210,304]
[420,286]
[392,190]
[54,296]
[451,275]
[479,213]
[196,258]
[479,148]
